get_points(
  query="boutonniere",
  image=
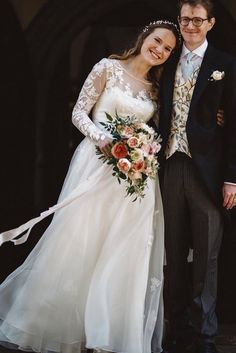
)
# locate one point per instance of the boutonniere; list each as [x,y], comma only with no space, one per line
[217,75]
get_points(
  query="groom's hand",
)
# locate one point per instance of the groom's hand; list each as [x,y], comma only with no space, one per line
[229,196]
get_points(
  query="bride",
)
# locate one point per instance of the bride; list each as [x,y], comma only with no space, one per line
[95,277]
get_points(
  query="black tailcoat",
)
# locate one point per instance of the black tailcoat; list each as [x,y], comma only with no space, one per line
[213,148]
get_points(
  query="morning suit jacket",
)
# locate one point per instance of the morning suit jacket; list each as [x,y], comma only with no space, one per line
[212,147]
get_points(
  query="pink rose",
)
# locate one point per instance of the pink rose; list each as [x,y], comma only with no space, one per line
[124,165]
[128,131]
[133,142]
[138,166]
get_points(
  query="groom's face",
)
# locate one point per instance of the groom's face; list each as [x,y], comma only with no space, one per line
[193,35]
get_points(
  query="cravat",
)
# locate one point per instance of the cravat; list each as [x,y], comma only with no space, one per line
[188,65]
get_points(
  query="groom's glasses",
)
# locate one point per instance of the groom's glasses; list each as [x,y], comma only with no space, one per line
[196,21]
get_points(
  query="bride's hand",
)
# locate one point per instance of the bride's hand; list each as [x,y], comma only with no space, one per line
[105,146]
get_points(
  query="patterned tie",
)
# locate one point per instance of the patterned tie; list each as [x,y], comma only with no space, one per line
[187,65]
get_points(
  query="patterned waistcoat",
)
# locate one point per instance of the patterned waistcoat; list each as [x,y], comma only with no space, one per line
[183,92]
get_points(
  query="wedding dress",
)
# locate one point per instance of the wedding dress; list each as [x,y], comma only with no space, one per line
[95,277]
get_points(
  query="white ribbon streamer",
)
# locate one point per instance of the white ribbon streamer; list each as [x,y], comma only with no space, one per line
[10,235]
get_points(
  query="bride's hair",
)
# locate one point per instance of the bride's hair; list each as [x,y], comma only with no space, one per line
[155,72]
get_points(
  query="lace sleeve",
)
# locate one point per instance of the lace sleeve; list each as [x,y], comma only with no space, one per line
[89,94]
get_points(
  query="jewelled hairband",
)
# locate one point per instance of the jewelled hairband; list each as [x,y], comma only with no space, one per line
[161,22]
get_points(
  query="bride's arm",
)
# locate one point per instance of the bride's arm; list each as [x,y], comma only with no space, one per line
[89,94]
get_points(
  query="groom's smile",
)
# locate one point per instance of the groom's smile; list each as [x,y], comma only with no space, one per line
[194,25]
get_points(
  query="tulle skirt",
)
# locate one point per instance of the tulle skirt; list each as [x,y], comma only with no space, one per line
[95,277]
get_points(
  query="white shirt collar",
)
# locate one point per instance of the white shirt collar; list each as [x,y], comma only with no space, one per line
[200,51]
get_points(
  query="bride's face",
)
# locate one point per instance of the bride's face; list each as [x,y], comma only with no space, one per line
[158,46]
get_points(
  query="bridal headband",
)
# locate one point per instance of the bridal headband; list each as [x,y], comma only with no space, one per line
[163,22]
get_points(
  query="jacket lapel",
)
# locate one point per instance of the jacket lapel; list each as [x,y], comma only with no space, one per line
[204,75]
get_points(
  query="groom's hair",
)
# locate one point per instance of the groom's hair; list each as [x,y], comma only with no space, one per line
[207,4]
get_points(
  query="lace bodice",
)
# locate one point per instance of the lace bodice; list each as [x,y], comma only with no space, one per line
[111,88]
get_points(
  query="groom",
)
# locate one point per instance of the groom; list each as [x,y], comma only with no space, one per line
[199,174]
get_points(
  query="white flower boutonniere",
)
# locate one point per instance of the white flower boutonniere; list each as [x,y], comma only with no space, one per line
[217,75]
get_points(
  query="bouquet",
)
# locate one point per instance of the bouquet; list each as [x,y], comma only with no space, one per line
[132,153]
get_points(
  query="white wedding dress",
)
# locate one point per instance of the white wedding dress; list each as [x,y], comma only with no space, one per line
[95,278]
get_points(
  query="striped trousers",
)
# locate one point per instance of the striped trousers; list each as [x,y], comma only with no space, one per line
[191,220]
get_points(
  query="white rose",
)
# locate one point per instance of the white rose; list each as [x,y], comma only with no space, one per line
[217,75]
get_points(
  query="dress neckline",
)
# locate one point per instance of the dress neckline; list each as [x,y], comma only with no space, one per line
[134,77]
